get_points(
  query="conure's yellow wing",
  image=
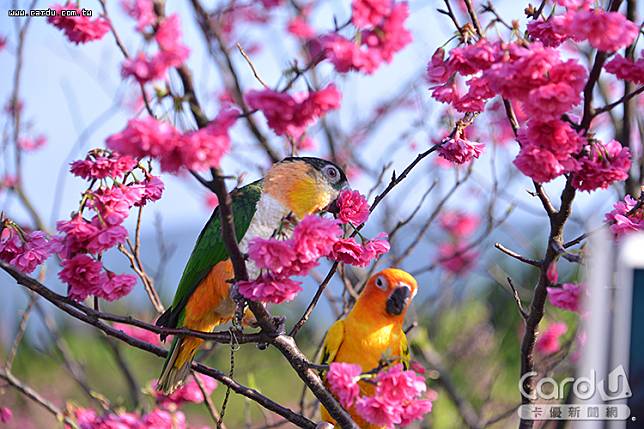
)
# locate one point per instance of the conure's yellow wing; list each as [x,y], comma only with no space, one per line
[332,342]
[405,357]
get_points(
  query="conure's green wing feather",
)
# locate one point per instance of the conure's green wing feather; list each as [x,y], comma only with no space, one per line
[210,249]
[405,357]
[332,342]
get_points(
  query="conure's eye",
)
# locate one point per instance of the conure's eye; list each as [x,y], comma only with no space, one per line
[381,283]
[332,173]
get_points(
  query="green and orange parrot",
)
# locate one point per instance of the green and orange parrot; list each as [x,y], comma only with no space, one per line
[372,330]
[293,187]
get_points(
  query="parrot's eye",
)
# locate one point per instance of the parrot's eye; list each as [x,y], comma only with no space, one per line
[332,173]
[381,283]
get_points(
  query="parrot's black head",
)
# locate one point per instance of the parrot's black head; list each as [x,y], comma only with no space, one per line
[306,185]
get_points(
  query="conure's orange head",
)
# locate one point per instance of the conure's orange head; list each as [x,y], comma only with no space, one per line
[305,185]
[389,292]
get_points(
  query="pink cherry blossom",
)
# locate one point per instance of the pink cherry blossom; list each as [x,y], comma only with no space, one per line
[392,36]
[163,419]
[447,93]
[459,150]
[478,94]
[267,288]
[548,342]
[117,286]
[78,28]
[606,31]
[470,59]
[190,391]
[379,412]
[114,203]
[369,13]
[152,190]
[143,69]
[398,385]
[354,207]
[271,254]
[349,251]
[141,10]
[206,147]
[575,4]
[437,69]
[554,135]
[346,55]
[299,27]
[602,165]
[293,114]
[546,32]
[342,379]
[83,275]
[456,258]
[138,333]
[76,235]
[542,165]
[172,52]
[375,247]
[314,237]
[32,144]
[566,297]
[415,410]
[34,252]
[5,414]
[620,222]
[627,69]
[101,166]
[459,224]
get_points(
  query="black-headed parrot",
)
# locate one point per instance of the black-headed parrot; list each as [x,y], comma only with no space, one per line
[293,187]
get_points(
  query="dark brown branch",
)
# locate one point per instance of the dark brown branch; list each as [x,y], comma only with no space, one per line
[517,256]
[517,299]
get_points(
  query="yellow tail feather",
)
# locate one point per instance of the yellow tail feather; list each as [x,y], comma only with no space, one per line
[177,366]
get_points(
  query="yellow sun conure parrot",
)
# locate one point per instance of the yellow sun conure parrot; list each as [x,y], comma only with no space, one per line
[372,330]
[292,188]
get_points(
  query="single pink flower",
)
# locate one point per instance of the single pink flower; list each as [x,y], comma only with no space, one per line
[342,379]
[379,412]
[459,224]
[101,166]
[117,286]
[141,10]
[314,237]
[606,31]
[415,410]
[349,251]
[163,419]
[299,27]
[397,385]
[369,13]
[267,288]
[566,297]
[272,254]
[83,275]
[548,341]
[78,28]
[34,252]
[627,69]
[354,207]
[459,150]
[602,165]
[621,222]
[437,69]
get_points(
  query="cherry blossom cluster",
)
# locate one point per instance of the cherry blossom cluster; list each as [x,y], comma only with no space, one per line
[78,28]
[25,251]
[97,226]
[398,399]
[534,78]
[313,237]
[158,418]
[626,217]
[566,296]
[196,150]
[380,33]
[626,69]
[291,115]
[455,255]
[167,33]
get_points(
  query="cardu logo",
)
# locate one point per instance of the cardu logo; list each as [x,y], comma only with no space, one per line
[582,388]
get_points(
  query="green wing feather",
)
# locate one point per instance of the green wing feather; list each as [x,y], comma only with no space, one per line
[210,249]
